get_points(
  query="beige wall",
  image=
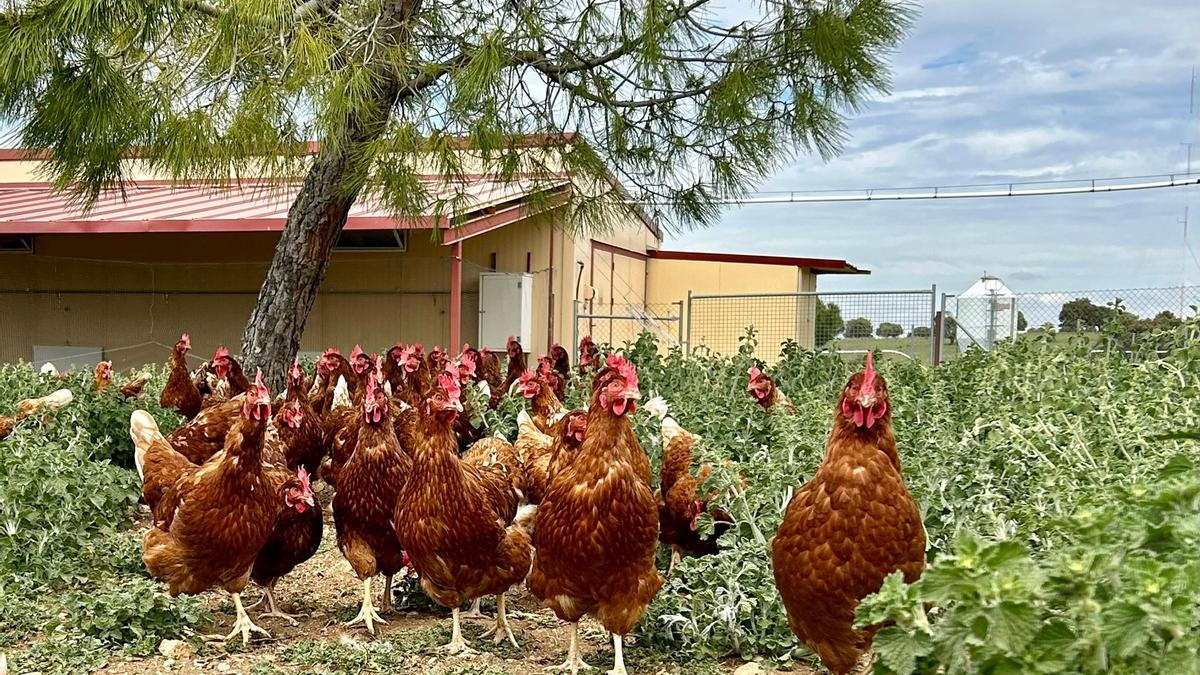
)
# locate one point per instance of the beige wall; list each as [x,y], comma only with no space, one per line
[139,288]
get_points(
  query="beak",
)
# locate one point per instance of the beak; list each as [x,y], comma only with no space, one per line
[456,405]
[867,401]
[633,394]
[309,500]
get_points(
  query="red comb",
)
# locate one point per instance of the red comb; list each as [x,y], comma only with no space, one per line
[356,353]
[222,353]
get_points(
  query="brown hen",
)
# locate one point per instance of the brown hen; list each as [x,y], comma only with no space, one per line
[212,521]
[469,545]
[848,528]
[368,485]
[597,527]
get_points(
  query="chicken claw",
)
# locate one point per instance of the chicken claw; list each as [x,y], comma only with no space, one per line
[574,662]
[273,610]
[367,615]
[457,644]
[475,612]
[502,631]
[243,624]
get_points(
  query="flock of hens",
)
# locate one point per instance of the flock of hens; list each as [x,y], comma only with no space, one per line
[568,508]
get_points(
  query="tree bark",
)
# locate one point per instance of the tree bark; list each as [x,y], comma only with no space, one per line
[315,220]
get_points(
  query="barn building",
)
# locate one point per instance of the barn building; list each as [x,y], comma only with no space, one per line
[122,280]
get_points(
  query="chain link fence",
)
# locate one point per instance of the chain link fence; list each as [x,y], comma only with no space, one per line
[895,322]
[1113,318]
[618,324]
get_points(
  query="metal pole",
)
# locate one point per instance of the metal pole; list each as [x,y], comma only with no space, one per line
[688,352]
[1012,322]
[941,336]
[932,318]
[679,321]
[575,325]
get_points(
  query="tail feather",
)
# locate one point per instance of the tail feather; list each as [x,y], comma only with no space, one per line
[657,406]
[341,393]
[144,431]
[670,430]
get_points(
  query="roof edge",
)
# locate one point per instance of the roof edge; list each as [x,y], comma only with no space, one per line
[817,265]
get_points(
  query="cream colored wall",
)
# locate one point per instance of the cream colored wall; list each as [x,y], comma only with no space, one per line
[137,288]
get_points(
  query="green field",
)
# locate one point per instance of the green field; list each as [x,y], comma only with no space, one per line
[1058,487]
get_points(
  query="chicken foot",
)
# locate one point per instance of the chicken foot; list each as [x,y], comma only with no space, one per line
[676,558]
[476,612]
[243,624]
[618,656]
[273,610]
[367,615]
[457,644]
[574,662]
[501,630]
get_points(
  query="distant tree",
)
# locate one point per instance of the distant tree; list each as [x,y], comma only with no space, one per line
[889,330]
[828,322]
[920,332]
[1083,314]
[949,330]
[1166,320]
[1022,324]
[859,328]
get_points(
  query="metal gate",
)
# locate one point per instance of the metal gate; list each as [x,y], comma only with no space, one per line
[624,323]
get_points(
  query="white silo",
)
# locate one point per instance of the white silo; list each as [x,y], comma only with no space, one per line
[986,313]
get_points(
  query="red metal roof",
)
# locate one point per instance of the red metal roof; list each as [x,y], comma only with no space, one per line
[817,265]
[158,206]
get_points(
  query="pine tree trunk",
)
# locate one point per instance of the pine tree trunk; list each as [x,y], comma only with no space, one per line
[317,217]
[315,220]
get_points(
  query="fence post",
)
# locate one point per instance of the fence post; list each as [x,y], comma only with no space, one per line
[932,320]
[575,325]
[1013,325]
[941,331]
[679,321]
[688,351]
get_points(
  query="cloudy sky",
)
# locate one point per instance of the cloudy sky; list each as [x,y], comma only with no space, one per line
[988,92]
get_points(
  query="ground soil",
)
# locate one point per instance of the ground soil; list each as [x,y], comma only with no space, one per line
[324,593]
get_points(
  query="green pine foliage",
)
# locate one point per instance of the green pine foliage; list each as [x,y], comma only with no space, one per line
[683,106]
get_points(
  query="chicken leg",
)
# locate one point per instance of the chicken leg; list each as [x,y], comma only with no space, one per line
[273,610]
[367,615]
[676,558]
[501,630]
[618,656]
[574,662]
[457,644]
[387,604]
[475,612]
[243,624]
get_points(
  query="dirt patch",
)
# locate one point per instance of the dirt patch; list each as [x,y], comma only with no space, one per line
[324,593]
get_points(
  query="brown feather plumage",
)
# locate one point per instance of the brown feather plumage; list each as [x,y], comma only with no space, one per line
[224,514]
[462,547]
[597,526]
[845,531]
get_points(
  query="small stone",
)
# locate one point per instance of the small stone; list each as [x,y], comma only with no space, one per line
[168,664]
[223,667]
[176,650]
[751,668]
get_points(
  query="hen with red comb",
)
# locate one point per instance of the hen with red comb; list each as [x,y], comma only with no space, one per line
[848,528]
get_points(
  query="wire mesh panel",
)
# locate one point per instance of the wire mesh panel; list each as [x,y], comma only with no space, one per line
[897,322]
[1112,317]
[618,324]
